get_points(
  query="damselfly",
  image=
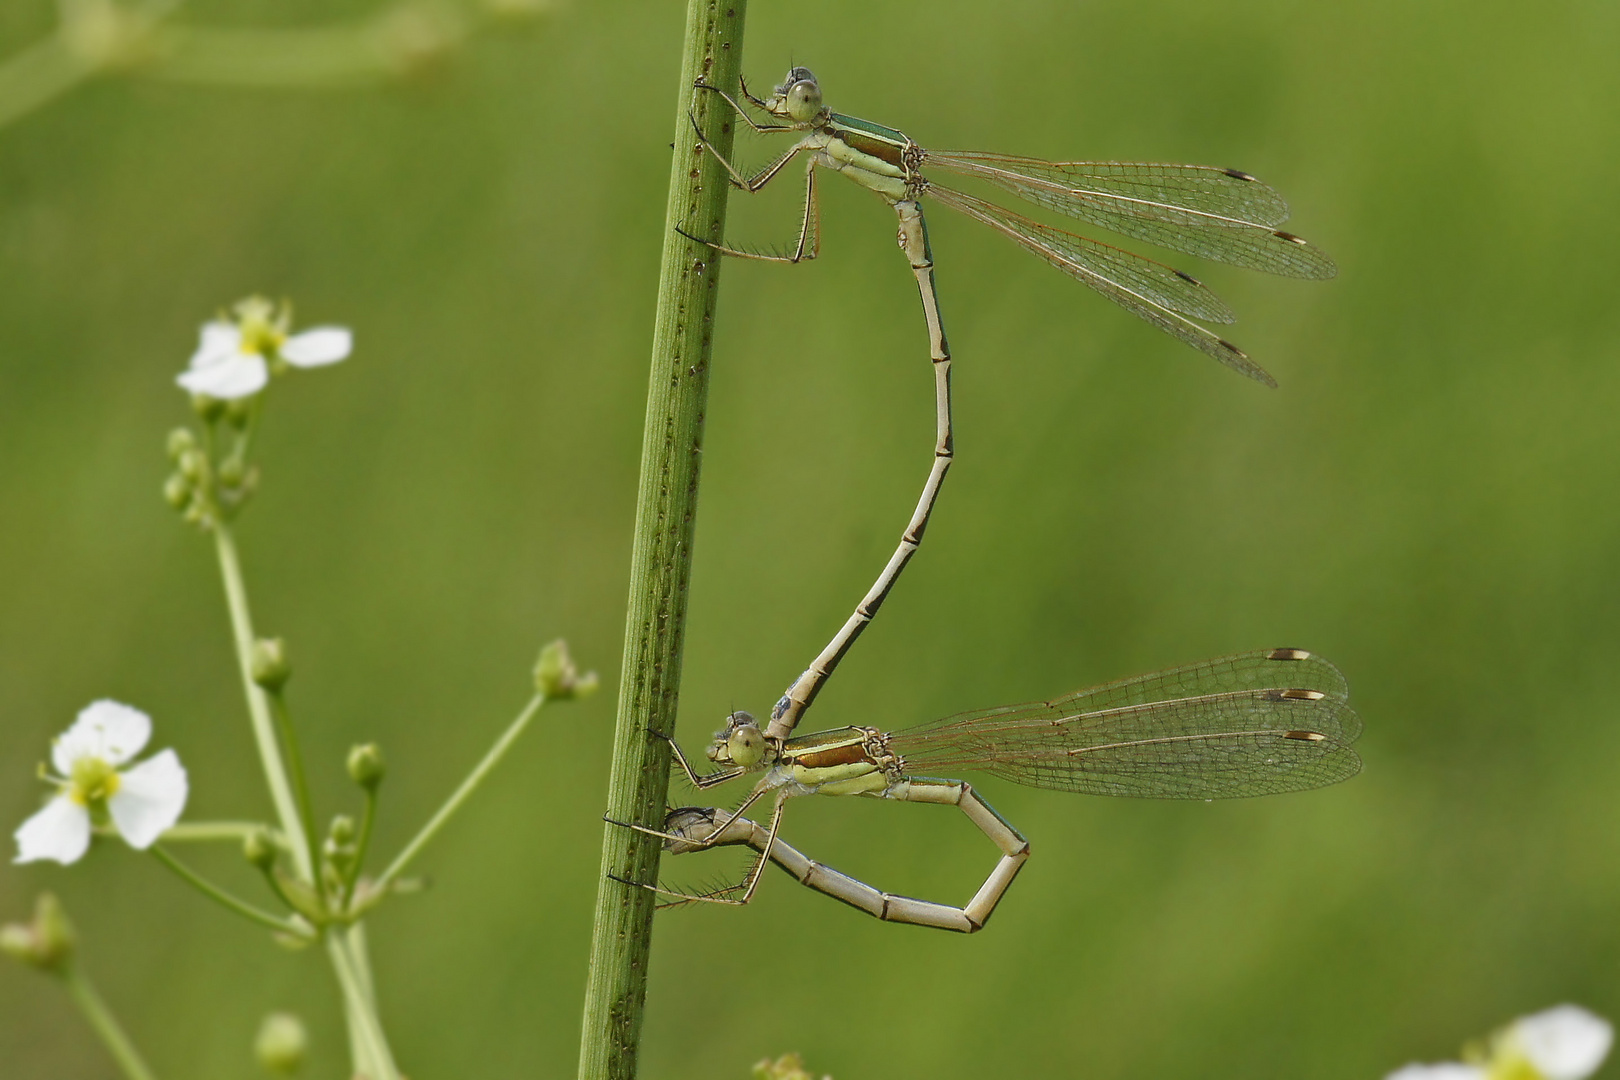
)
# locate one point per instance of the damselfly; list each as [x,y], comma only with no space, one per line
[1258,723]
[1219,214]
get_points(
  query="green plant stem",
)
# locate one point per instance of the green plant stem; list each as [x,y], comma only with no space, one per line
[661,549]
[368,1045]
[461,794]
[202,832]
[264,729]
[214,892]
[368,818]
[295,765]
[105,1025]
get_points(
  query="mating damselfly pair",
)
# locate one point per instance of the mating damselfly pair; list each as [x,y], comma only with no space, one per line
[1253,724]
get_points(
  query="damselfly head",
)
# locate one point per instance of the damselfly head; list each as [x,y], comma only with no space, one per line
[798,98]
[740,742]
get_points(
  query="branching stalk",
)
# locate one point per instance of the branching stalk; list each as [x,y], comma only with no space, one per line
[661,553]
[461,794]
[225,899]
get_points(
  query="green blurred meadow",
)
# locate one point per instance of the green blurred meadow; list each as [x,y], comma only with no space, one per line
[1428,500]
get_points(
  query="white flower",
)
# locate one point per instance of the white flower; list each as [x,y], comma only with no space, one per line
[234,358]
[142,801]
[1445,1070]
[1563,1043]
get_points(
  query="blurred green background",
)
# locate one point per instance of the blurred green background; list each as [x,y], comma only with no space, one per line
[1429,500]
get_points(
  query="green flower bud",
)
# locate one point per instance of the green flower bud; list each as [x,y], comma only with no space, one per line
[17,942]
[238,411]
[210,409]
[177,491]
[786,1067]
[45,943]
[194,465]
[366,766]
[269,664]
[416,38]
[281,1043]
[231,472]
[259,849]
[180,440]
[557,678]
[342,830]
[56,936]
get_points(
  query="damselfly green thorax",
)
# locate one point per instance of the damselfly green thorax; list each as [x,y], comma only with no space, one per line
[1214,213]
[1258,723]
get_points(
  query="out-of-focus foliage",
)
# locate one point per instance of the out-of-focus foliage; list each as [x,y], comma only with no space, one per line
[1428,500]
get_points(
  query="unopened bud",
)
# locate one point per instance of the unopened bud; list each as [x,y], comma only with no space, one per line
[281,1043]
[366,766]
[556,677]
[177,491]
[415,38]
[238,411]
[194,465]
[342,830]
[210,409]
[46,942]
[231,471]
[259,849]
[269,665]
[786,1067]
[180,440]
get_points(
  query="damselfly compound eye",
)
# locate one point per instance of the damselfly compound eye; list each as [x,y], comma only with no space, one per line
[804,100]
[746,745]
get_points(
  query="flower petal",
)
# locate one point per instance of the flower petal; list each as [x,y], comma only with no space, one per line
[236,375]
[317,347]
[1443,1070]
[108,730]
[149,799]
[61,831]
[219,340]
[1565,1042]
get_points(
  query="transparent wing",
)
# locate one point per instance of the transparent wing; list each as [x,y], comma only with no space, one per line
[1161,295]
[1218,214]
[1257,723]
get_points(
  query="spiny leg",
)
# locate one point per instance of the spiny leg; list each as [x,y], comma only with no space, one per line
[763,129]
[719,826]
[809,228]
[913,238]
[701,781]
[734,829]
[858,894]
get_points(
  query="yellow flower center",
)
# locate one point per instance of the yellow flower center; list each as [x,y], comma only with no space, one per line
[92,781]
[263,329]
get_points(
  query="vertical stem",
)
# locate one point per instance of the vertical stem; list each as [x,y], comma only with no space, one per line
[295,766]
[105,1024]
[369,1046]
[661,553]
[264,728]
